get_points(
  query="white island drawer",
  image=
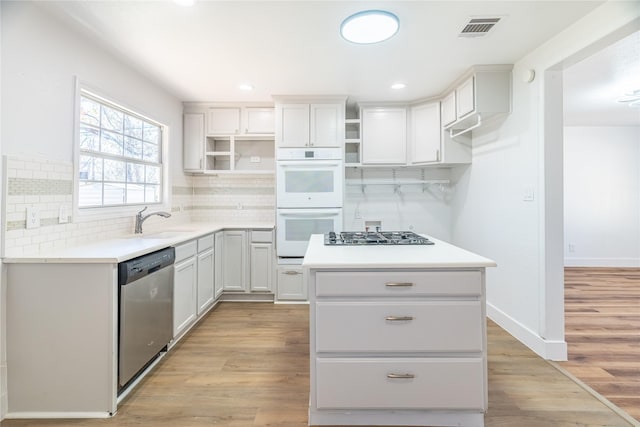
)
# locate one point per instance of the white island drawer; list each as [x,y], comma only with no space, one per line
[398,283]
[447,383]
[444,326]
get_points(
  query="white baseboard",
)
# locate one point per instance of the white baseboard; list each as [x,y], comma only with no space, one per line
[602,262]
[547,349]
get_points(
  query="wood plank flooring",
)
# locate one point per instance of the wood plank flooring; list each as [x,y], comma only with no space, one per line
[602,330]
[246,364]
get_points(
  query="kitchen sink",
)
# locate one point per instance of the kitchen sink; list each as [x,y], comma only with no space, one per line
[161,235]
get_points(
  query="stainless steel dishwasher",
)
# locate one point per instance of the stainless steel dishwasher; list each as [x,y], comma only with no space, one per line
[146,311]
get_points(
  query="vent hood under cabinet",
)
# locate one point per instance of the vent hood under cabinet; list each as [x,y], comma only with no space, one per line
[481,94]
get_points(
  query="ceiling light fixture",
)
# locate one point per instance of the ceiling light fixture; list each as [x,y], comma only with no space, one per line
[369,26]
[398,86]
[632,99]
[245,86]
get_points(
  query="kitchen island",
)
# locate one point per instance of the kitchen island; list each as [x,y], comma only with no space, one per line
[397,334]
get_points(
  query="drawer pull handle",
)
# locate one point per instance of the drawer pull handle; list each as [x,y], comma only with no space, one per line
[398,284]
[398,318]
[401,376]
[292,273]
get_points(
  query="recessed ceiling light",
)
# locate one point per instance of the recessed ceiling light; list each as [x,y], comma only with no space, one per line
[369,26]
[245,86]
[185,3]
[398,86]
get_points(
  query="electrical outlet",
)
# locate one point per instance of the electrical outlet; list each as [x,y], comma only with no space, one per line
[358,215]
[572,248]
[238,206]
[33,217]
[63,215]
[255,159]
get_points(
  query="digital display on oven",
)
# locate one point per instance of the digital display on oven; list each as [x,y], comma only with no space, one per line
[308,154]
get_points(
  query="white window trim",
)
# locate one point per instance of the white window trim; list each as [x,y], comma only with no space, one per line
[110,212]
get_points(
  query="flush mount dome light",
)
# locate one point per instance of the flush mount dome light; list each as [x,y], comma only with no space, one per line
[369,26]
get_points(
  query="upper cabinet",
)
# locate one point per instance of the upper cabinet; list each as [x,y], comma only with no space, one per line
[238,121]
[228,139]
[481,94]
[223,121]
[193,142]
[384,135]
[309,124]
[425,141]
[260,120]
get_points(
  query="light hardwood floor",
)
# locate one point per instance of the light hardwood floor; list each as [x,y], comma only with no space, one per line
[602,318]
[247,364]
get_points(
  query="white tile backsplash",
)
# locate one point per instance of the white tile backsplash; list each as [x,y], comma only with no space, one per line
[48,184]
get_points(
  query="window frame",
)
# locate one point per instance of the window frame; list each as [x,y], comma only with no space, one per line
[112,211]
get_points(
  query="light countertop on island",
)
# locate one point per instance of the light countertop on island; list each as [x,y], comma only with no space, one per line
[439,255]
[130,246]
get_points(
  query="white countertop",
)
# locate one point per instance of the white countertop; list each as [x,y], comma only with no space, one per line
[439,255]
[126,247]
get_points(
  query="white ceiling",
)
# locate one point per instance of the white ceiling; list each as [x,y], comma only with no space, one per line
[204,52]
[593,86]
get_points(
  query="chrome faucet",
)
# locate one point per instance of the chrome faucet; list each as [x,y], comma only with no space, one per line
[141,218]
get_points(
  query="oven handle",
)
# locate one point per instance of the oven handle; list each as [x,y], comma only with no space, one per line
[310,215]
[314,164]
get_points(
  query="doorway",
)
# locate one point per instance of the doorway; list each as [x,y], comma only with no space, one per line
[601,166]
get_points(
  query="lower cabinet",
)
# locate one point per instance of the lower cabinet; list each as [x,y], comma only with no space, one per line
[396,346]
[193,282]
[234,272]
[219,263]
[206,263]
[185,282]
[291,286]
[247,261]
[261,267]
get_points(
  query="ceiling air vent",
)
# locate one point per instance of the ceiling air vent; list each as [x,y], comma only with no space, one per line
[477,27]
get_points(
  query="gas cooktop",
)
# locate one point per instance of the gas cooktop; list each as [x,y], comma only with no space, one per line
[356,238]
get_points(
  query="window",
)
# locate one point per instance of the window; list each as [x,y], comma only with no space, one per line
[120,156]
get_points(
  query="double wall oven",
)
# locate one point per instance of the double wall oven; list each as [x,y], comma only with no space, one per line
[308,196]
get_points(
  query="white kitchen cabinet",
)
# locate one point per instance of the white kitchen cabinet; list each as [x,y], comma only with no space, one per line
[425,133]
[218,263]
[481,94]
[386,341]
[465,98]
[238,139]
[326,125]
[223,121]
[290,284]
[234,273]
[261,267]
[448,106]
[309,124]
[261,260]
[260,120]
[292,125]
[384,135]
[206,265]
[193,142]
[185,283]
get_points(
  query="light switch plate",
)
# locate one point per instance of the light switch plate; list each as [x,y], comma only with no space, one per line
[528,195]
[33,217]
